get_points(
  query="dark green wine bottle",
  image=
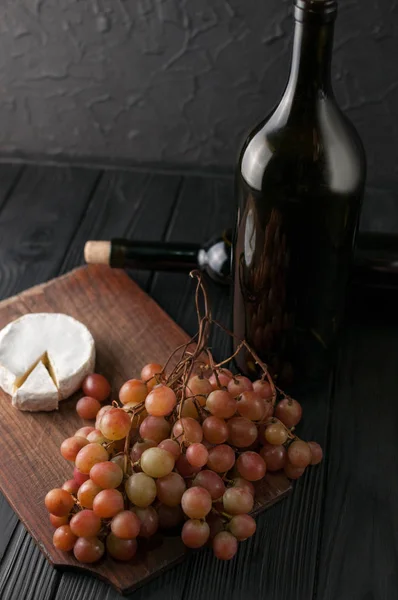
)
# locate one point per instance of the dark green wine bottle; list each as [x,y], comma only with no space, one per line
[299,184]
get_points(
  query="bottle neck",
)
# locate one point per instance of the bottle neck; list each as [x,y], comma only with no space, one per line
[310,71]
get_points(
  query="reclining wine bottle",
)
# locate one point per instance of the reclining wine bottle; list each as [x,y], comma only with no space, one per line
[299,184]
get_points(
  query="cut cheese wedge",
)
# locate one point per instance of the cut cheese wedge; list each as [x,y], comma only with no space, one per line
[64,347]
[38,392]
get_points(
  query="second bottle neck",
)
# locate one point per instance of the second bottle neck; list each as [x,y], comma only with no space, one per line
[310,71]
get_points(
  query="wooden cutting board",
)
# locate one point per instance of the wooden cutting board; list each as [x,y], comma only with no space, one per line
[129,329]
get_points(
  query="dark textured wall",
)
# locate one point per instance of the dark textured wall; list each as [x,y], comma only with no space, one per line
[179,81]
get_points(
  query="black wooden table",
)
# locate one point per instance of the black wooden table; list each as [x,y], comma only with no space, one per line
[336,537]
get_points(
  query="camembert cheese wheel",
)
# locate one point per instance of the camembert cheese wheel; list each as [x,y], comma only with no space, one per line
[44,357]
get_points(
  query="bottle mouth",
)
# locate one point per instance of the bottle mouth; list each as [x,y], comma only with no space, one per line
[318,10]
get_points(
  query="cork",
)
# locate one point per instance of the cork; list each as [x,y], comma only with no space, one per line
[97,252]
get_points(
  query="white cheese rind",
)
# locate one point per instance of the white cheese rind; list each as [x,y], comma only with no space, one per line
[38,392]
[67,343]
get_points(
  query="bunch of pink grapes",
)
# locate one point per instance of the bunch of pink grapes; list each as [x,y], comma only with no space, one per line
[172,456]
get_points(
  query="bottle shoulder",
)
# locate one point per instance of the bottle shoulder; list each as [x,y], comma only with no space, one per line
[319,143]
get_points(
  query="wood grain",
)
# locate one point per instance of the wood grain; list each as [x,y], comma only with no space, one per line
[131,205]
[358,554]
[30,224]
[129,330]
[9,176]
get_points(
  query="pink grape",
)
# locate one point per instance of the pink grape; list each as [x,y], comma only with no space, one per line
[87,492]
[224,377]
[251,406]
[85,524]
[171,446]
[198,386]
[133,391]
[221,458]
[106,475]
[197,455]
[103,410]
[289,411]
[215,430]
[121,549]
[155,428]
[195,533]
[97,386]
[71,486]
[96,436]
[170,489]
[276,433]
[274,456]
[87,407]
[210,481]
[237,501]
[59,502]
[149,521]
[160,401]
[84,431]
[242,527]
[71,446]
[299,454]
[316,453]
[239,384]
[225,545]
[89,455]
[126,525]
[196,502]
[108,503]
[148,374]
[221,404]
[157,462]
[251,466]
[88,550]
[242,432]
[115,424]
[263,388]
[188,430]
[141,489]
[64,539]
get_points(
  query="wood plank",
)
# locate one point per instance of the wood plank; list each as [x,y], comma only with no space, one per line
[8,522]
[29,251]
[358,555]
[9,176]
[42,581]
[39,222]
[132,205]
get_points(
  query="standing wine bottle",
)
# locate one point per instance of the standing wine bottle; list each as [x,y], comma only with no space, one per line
[300,181]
